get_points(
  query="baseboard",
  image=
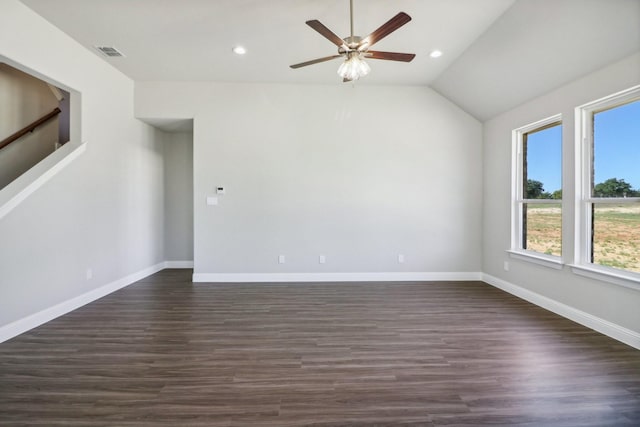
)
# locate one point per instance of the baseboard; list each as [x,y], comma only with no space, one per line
[334,277]
[178,264]
[20,326]
[605,327]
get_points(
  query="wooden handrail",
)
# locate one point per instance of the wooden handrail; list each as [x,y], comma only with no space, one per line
[29,128]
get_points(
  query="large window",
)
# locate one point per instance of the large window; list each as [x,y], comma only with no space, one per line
[609,224]
[537,189]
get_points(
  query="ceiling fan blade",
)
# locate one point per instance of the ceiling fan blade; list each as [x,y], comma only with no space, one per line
[391,56]
[327,33]
[387,28]
[315,61]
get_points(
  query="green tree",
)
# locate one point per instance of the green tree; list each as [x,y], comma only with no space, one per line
[535,189]
[613,187]
[557,194]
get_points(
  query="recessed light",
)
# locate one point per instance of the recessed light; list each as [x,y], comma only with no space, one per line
[435,54]
[239,50]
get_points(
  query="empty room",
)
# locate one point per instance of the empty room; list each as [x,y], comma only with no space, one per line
[320,213]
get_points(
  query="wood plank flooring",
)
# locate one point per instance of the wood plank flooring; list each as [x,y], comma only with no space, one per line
[166,352]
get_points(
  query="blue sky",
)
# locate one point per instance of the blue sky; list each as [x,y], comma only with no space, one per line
[617,144]
[544,158]
[617,149]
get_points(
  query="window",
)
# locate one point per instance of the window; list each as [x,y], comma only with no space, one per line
[609,215]
[537,189]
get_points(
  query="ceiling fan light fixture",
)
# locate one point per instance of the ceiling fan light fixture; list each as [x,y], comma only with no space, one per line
[353,67]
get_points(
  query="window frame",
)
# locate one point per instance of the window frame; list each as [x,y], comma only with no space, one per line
[584,200]
[517,196]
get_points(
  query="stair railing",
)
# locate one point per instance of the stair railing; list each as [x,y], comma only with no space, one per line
[29,128]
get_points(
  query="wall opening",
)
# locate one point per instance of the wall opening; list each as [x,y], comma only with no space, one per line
[39,130]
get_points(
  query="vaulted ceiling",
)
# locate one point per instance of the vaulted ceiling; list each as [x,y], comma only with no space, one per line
[496,53]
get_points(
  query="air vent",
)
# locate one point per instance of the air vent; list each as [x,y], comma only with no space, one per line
[109,51]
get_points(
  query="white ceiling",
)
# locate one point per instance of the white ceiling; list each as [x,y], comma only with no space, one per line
[537,46]
[497,53]
[191,40]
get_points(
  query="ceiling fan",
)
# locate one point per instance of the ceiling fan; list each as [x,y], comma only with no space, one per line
[355,49]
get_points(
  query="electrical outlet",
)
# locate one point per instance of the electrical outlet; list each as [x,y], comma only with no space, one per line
[281,259]
[89,273]
[322,259]
[400,258]
[506,266]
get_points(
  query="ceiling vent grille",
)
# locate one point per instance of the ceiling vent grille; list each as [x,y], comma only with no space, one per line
[110,51]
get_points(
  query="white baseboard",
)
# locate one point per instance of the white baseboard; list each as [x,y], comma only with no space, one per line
[605,327]
[334,277]
[178,264]
[20,326]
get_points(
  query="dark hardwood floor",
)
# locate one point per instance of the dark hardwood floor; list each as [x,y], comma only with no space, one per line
[166,352]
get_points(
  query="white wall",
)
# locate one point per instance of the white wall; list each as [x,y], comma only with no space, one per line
[178,201]
[23,100]
[357,174]
[103,211]
[610,302]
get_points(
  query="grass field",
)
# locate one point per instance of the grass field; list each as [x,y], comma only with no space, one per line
[544,229]
[616,235]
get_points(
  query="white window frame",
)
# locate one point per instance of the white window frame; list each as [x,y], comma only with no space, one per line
[518,200]
[584,200]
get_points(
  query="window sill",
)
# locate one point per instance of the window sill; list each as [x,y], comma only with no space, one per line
[626,279]
[548,261]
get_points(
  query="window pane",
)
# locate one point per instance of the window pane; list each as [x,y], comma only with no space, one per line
[542,170]
[616,148]
[616,236]
[542,228]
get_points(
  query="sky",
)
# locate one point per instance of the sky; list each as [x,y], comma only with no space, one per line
[617,149]
[544,158]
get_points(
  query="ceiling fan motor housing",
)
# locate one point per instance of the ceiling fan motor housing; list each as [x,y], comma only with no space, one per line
[352,43]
